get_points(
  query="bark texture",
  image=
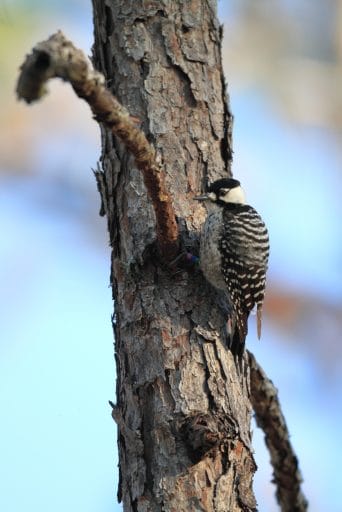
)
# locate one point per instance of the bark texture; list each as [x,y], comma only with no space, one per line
[183,409]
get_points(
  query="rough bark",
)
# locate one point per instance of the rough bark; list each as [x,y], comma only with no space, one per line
[183,409]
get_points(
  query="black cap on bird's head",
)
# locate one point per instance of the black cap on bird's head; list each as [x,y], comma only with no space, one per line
[224,183]
[223,191]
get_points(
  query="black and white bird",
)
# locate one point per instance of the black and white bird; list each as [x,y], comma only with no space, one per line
[234,251]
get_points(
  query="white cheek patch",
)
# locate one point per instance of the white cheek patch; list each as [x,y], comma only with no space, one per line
[212,196]
[234,195]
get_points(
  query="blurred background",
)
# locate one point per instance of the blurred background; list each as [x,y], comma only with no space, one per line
[283,64]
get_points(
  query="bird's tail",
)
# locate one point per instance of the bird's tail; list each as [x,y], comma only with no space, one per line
[259,318]
[239,333]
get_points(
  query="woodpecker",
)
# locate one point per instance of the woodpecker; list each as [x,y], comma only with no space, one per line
[234,251]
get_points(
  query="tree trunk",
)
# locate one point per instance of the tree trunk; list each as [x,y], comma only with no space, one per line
[183,408]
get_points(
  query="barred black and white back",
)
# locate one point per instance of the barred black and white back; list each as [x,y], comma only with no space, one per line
[234,251]
[244,248]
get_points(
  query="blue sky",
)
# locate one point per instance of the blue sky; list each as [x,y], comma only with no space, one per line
[57,373]
[296,173]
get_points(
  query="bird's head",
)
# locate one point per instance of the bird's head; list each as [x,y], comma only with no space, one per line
[224,191]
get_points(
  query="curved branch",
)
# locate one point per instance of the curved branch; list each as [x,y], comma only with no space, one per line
[58,57]
[269,417]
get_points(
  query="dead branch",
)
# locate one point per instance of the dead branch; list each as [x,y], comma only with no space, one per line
[58,57]
[269,417]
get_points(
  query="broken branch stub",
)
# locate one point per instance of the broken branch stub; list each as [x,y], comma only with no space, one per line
[58,57]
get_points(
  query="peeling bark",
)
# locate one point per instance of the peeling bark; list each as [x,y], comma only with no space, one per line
[183,409]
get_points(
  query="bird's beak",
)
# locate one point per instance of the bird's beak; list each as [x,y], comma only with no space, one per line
[204,197]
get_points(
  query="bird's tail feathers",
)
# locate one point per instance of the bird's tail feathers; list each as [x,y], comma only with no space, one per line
[259,320]
[239,333]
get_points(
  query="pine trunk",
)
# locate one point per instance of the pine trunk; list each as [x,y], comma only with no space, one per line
[183,408]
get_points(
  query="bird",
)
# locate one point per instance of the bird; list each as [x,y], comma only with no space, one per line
[234,252]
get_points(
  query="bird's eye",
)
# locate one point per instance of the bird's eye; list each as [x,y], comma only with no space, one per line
[223,191]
